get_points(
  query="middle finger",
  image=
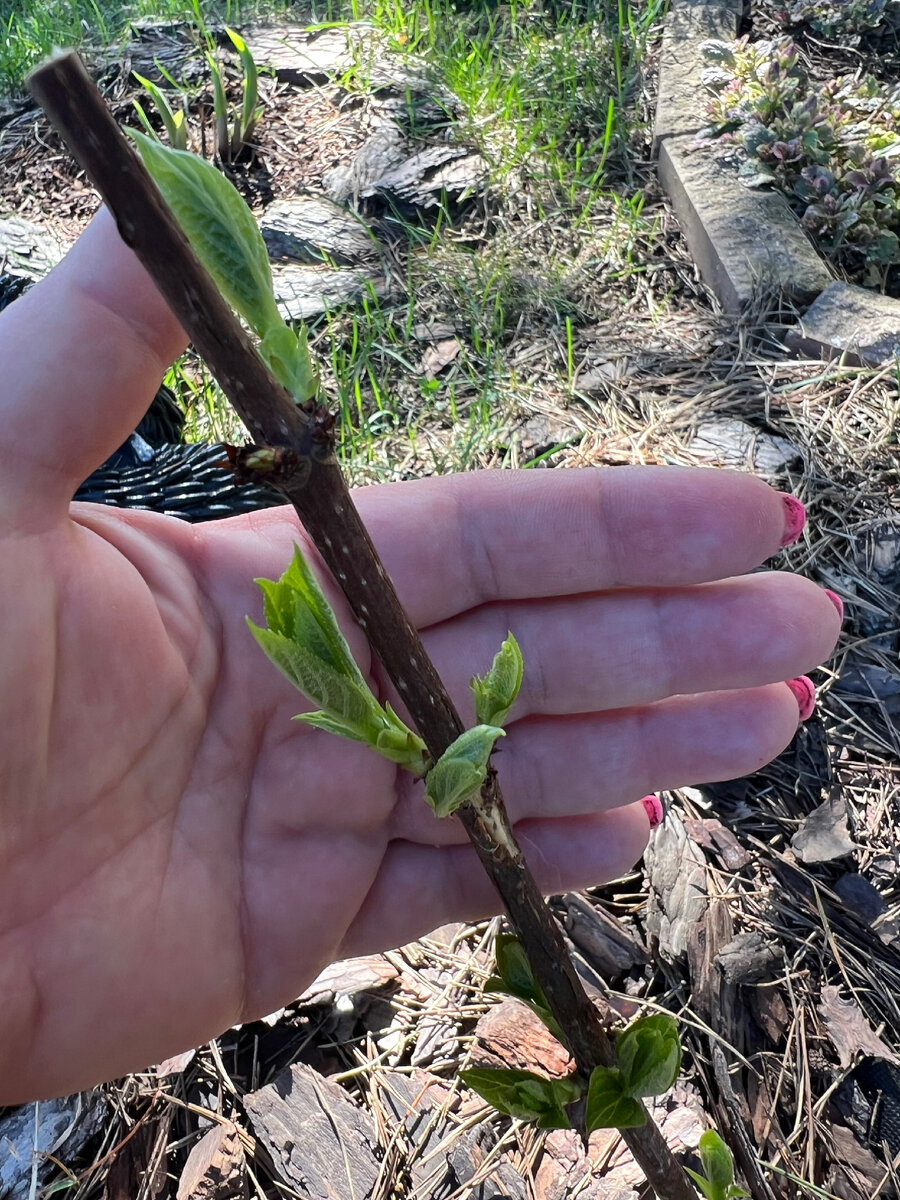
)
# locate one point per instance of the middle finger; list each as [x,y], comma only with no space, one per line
[621,649]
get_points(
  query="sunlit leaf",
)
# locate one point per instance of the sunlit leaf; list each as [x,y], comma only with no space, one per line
[524,1095]
[497,691]
[608,1106]
[649,1055]
[458,774]
[219,226]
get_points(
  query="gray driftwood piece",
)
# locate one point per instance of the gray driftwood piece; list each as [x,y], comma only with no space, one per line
[29,1134]
[319,1141]
[313,229]
[26,248]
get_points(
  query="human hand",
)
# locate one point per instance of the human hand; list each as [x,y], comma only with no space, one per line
[176,855]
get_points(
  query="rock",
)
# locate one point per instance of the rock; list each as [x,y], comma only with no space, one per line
[860,897]
[824,834]
[32,1133]
[313,229]
[438,356]
[216,1168]
[730,442]
[320,1143]
[851,321]
[26,248]
[742,240]
[679,109]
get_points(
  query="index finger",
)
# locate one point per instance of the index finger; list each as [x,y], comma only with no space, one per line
[454,543]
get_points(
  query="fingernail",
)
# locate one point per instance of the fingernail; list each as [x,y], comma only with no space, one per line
[654,809]
[836,601]
[805,694]
[794,519]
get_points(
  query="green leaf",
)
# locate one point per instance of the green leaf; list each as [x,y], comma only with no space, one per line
[305,642]
[162,103]
[515,970]
[461,770]
[249,111]
[497,691]
[718,1165]
[296,607]
[342,698]
[220,228]
[608,1106]
[524,1095]
[287,356]
[709,1190]
[649,1055]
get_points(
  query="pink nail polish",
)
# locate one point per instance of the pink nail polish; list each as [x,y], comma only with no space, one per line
[654,809]
[805,694]
[836,601]
[794,519]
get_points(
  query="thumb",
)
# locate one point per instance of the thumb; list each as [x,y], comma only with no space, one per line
[81,357]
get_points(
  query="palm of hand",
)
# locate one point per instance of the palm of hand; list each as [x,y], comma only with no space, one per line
[165,813]
[175,854]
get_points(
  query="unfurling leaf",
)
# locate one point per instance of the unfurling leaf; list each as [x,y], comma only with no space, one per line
[220,227]
[524,1095]
[287,356]
[304,641]
[608,1105]
[497,691]
[461,770]
[717,1181]
[649,1055]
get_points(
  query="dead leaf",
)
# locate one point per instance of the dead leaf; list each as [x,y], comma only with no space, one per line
[824,834]
[439,356]
[849,1030]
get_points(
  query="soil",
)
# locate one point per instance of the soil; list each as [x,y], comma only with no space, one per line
[767,915]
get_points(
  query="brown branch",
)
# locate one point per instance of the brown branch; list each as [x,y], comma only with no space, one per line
[309,477]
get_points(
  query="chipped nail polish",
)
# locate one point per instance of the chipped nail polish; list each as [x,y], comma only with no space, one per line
[654,809]
[794,519]
[805,694]
[836,601]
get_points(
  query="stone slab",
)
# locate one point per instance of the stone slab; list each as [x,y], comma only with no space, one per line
[681,104]
[742,240]
[851,321]
[731,6]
